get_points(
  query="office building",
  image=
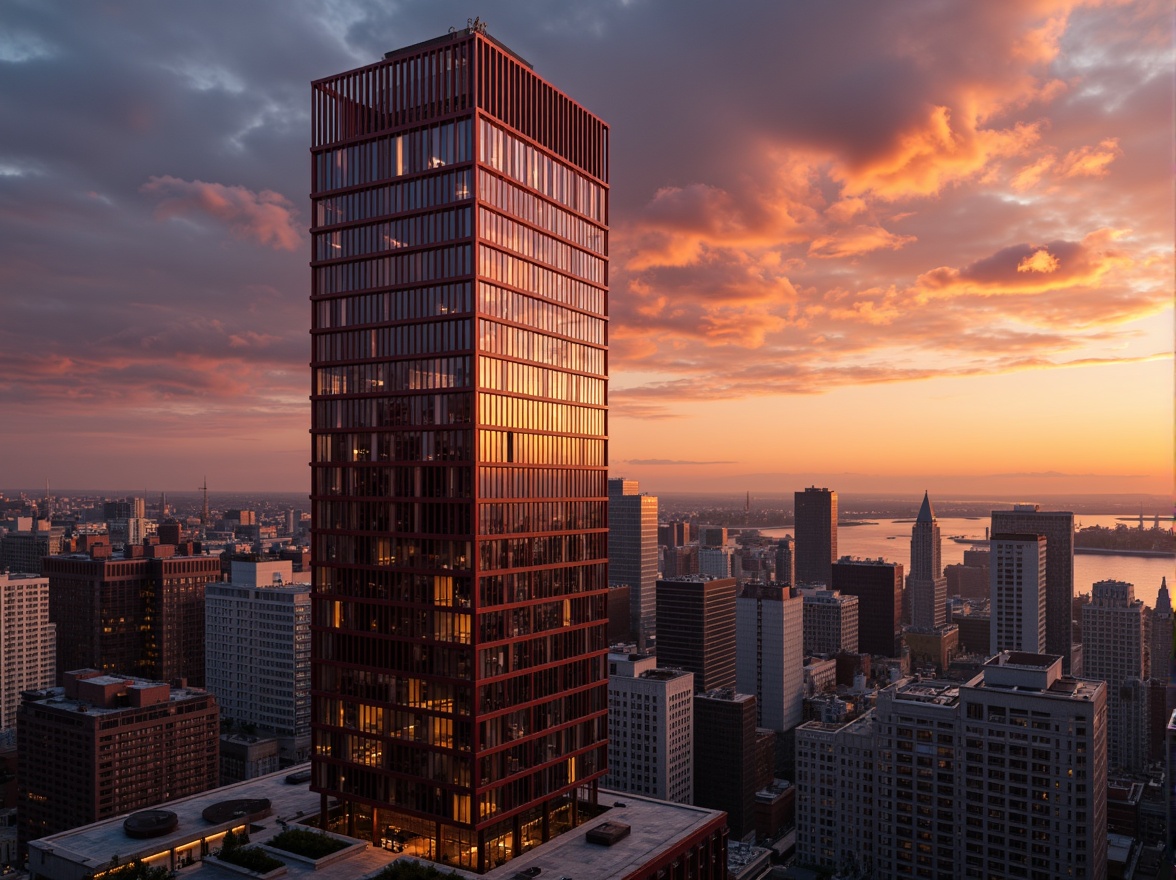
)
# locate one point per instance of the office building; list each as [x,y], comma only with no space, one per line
[878,587]
[716,562]
[632,553]
[1004,776]
[680,561]
[975,631]
[257,652]
[1017,581]
[926,584]
[650,729]
[28,650]
[712,536]
[675,533]
[769,654]
[132,615]
[459,521]
[816,535]
[696,629]
[619,630]
[969,579]
[104,745]
[785,567]
[124,508]
[1113,646]
[830,622]
[1058,529]
[728,758]
[28,542]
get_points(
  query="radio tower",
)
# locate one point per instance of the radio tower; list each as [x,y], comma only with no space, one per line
[204,510]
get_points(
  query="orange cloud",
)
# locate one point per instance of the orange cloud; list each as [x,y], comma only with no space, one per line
[266,217]
[936,154]
[855,241]
[1027,268]
[1091,161]
[1040,260]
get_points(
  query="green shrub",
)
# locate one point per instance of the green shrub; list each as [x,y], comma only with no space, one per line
[250,858]
[404,869]
[136,870]
[311,844]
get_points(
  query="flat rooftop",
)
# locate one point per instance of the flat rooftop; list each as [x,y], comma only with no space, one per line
[941,693]
[656,826]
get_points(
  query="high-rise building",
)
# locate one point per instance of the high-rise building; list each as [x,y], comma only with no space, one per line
[1160,648]
[136,615]
[23,549]
[28,648]
[769,654]
[103,745]
[1017,579]
[878,587]
[459,522]
[1058,529]
[969,579]
[926,583]
[680,561]
[1113,646]
[1004,776]
[257,651]
[816,535]
[696,629]
[785,565]
[728,769]
[650,729]
[632,553]
[830,622]
[712,536]
[715,562]
[124,508]
[675,533]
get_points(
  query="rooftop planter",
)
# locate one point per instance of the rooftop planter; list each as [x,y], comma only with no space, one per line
[315,848]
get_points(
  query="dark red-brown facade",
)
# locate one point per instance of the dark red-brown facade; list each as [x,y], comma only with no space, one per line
[459,455]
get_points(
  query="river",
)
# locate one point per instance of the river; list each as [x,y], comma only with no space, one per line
[891,540]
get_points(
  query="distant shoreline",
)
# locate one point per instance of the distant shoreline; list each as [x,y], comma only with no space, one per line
[1112,551]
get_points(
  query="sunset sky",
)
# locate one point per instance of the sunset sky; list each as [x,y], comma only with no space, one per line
[876,246]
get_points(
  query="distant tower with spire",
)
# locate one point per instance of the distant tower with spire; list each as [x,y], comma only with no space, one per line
[926,584]
[1161,635]
[204,511]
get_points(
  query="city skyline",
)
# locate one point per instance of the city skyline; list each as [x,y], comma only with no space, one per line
[808,229]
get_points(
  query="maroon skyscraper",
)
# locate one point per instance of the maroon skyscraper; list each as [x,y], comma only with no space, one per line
[459,530]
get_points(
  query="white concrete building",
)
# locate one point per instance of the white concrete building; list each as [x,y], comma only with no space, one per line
[769,654]
[28,641]
[1004,776]
[257,649]
[1018,592]
[830,621]
[1113,644]
[650,728]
